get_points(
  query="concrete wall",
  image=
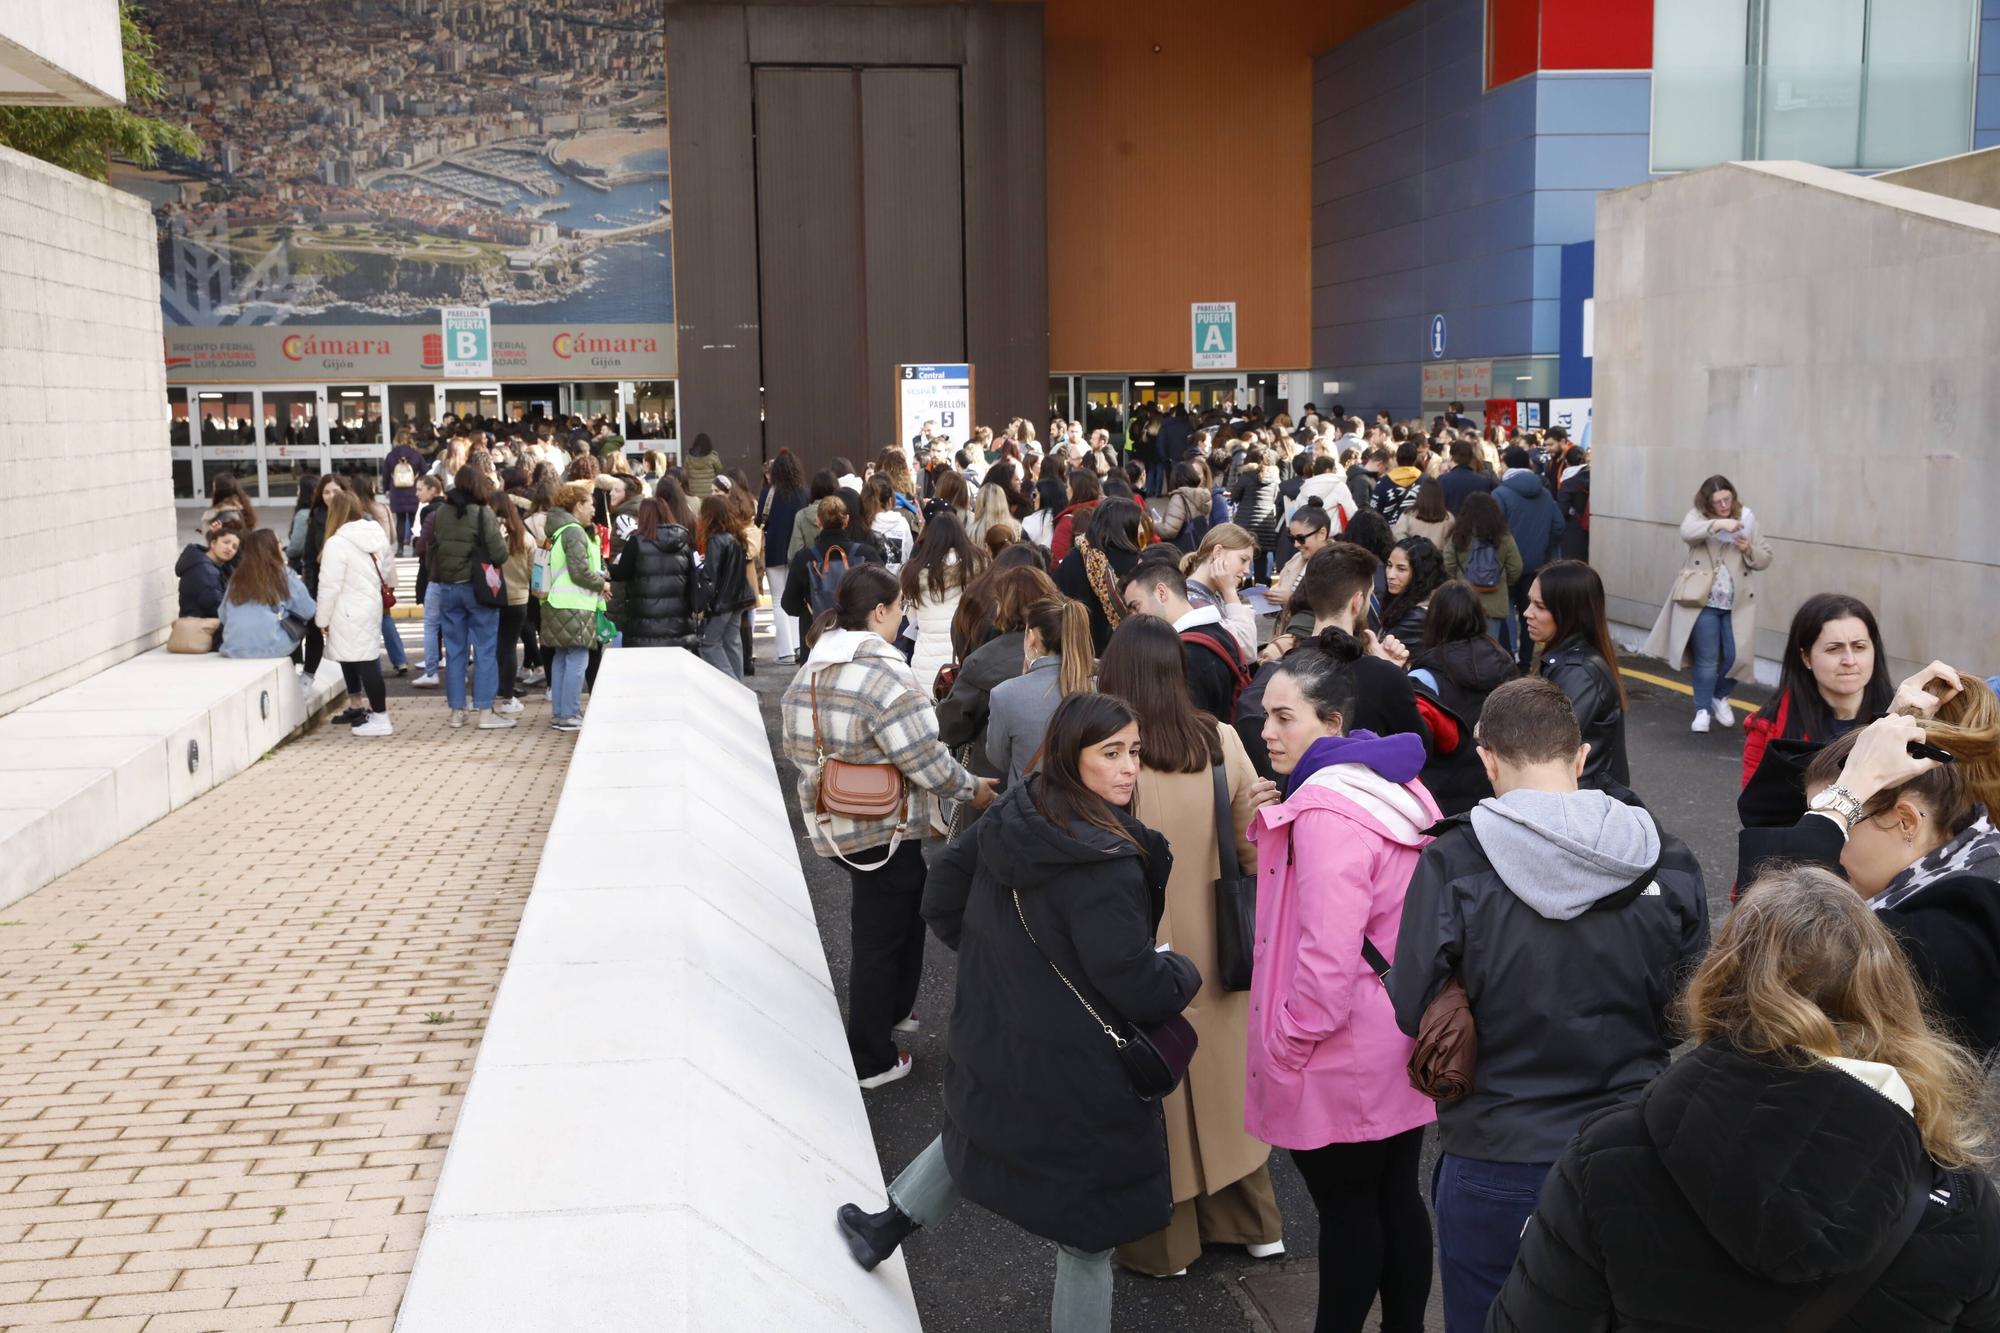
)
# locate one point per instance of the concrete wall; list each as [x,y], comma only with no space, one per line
[1827,341]
[1433,196]
[86,499]
[1973,177]
[663,1117]
[61,52]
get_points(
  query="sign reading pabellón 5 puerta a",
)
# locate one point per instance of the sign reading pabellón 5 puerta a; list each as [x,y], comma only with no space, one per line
[1215,335]
[423,158]
[935,393]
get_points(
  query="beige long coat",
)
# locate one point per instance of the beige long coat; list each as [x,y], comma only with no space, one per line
[1205,1135]
[1669,639]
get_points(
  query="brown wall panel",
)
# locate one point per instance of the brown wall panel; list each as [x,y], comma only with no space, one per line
[1174,179]
[809,242]
[1006,224]
[915,230]
[715,227]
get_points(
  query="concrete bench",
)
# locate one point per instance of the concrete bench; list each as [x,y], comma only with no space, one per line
[91,765]
[663,1116]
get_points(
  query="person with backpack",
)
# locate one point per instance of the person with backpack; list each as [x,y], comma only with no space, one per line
[816,570]
[1397,489]
[1183,517]
[575,588]
[464,535]
[1217,668]
[1254,494]
[1814,1163]
[1573,498]
[401,467]
[1556,909]
[1481,551]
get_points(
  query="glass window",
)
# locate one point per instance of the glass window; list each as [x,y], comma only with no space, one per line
[291,440]
[650,412]
[180,444]
[228,437]
[410,405]
[1698,82]
[1867,84]
[1919,82]
[471,400]
[1059,407]
[355,429]
[591,399]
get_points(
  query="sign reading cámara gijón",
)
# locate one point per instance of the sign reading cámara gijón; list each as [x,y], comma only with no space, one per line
[468,342]
[1215,335]
[941,394]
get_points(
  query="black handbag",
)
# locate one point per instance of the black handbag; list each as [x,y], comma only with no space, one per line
[1235,899]
[1156,1056]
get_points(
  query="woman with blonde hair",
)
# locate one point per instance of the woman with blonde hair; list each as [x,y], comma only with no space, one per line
[1813,1162]
[993,525]
[1215,571]
[1057,662]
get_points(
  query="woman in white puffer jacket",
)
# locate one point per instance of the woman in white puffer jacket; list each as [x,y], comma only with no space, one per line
[355,563]
[934,577]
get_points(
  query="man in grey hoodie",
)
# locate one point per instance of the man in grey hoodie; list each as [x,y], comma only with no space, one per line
[1572,920]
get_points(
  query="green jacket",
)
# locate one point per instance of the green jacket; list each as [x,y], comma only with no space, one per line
[455,535]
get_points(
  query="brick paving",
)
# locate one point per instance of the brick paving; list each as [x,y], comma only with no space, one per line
[232,1048]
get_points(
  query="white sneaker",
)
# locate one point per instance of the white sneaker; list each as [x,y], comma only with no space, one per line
[1724,714]
[901,1069]
[376,725]
[458,717]
[910,1024]
[494,721]
[1700,723]
[427,681]
[1270,1250]
[507,706]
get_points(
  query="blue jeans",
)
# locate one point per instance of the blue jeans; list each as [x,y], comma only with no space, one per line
[1502,630]
[468,625]
[566,681]
[1713,643]
[1482,1208]
[392,640]
[1082,1300]
[433,631]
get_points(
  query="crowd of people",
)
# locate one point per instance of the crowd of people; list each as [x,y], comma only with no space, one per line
[1283,802]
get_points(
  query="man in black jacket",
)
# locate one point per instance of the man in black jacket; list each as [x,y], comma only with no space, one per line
[1572,920]
[1217,669]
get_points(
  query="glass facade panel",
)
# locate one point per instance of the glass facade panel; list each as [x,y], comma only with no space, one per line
[1698,82]
[356,431]
[1919,81]
[1849,84]
[180,444]
[291,440]
[228,437]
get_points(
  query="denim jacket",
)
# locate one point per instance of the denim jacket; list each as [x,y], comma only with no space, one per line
[253,629]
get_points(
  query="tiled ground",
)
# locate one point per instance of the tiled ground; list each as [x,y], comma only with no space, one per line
[232,1048]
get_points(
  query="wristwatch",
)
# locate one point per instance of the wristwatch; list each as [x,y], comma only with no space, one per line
[1839,802]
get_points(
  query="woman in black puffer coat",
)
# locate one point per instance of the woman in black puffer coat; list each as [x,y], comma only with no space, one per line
[1818,1128]
[657,573]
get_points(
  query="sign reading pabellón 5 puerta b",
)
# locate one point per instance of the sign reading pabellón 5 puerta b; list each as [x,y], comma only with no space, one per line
[935,393]
[468,342]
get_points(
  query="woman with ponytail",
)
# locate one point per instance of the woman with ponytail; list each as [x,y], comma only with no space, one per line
[1057,662]
[1221,1175]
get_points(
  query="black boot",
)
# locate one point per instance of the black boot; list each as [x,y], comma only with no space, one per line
[872,1237]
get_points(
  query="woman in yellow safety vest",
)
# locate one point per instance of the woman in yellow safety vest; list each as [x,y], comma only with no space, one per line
[576,583]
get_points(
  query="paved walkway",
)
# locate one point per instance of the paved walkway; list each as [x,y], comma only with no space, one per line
[232,1048]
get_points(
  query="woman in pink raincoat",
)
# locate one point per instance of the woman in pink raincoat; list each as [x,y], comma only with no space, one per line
[1328,1067]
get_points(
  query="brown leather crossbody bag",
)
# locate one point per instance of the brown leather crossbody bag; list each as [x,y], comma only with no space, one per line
[861,792]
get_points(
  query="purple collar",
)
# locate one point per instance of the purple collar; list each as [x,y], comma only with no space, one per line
[1399,758]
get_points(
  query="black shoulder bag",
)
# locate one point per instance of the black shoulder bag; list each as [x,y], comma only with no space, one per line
[1235,899]
[1823,1311]
[1156,1058]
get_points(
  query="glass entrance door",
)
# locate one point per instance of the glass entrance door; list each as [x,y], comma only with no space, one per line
[1213,391]
[1104,408]
[518,402]
[357,431]
[226,435]
[463,400]
[293,447]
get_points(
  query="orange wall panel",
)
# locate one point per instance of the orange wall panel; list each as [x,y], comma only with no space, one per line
[1183,174]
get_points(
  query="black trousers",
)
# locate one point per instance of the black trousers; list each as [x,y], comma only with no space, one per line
[531,637]
[748,617]
[366,677]
[1374,1234]
[309,653]
[887,926]
[512,618]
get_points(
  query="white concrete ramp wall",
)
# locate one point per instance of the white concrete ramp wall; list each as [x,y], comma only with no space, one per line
[1828,343]
[663,1117]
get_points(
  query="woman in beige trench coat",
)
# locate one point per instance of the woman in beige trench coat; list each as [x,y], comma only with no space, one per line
[1711,610]
[1221,1176]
